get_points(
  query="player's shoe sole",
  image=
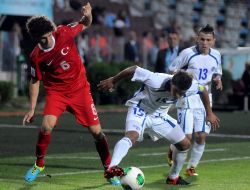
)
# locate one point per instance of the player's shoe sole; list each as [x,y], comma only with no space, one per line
[32,173]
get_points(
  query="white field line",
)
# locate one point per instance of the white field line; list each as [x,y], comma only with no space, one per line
[19,126]
[145,167]
[164,153]
[121,131]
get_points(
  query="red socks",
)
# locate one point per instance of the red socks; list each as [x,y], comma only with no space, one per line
[41,147]
[103,150]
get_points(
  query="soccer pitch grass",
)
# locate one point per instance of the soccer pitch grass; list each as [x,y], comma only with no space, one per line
[74,164]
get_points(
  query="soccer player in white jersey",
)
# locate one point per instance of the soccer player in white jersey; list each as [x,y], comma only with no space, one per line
[147,113]
[204,63]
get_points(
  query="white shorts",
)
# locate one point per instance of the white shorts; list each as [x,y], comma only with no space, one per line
[156,125]
[193,120]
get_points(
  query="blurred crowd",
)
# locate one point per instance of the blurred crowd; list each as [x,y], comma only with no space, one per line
[113,36]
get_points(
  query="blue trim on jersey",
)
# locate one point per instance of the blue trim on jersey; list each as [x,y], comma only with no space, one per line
[172,124]
[193,56]
[140,90]
[138,105]
[214,58]
[164,119]
[204,123]
[144,120]
[184,122]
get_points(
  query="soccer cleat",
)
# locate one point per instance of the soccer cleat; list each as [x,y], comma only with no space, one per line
[169,157]
[191,172]
[33,172]
[113,175]
[176,181]
[113,171]
[114,180]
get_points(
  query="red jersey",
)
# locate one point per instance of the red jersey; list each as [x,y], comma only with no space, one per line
[60,67]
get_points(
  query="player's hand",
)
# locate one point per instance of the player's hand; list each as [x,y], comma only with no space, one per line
[213,120]
[218,84]
[86,9]
[28,118]
[106,85]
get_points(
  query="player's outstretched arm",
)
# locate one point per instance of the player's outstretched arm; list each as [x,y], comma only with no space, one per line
[33,91]
[86,19]
[210,116]
[108,84]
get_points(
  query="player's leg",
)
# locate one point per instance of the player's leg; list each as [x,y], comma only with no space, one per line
[82,107]
[54,106]
[180,150]
[164,126]
[44,137]
[101,145]
[201,130]
[185,120]
[134,129]
[135,122]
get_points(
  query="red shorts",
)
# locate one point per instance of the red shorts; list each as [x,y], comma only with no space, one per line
[79,103]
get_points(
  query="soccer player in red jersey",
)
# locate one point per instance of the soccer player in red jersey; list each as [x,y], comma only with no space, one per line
[56,62]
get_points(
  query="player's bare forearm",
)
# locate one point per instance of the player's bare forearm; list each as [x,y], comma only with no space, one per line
[108,84]
[210,116]
[205,100]
[86,19]
[33,91]
[128,72]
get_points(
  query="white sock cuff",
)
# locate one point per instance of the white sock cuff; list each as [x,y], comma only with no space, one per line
[199,146]
[126,139]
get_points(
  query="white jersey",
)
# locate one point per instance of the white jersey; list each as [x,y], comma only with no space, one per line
[155,92]
[202,67]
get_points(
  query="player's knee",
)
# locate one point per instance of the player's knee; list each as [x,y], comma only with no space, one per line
[98,136]
[189,136]
[133,136]
[48,123]
[184,145]
[47,127]
[200,137]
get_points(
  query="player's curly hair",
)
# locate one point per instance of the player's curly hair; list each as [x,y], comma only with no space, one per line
[37,26]
[182,80]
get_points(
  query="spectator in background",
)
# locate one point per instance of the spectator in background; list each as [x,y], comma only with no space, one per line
[17,38]
[109,18]
[83,47]
[98,15]
[99,47]
[167,55]
[132,48]
[147,45]
[220,36]
[121,23]
[246,78]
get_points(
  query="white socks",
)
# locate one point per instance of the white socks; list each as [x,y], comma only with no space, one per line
[120,151]
[196,154]
[179,158]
